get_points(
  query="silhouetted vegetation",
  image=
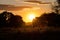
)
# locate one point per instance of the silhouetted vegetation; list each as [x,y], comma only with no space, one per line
[7,19]
[56,6]
[58,1]
[50,19]
[17,21]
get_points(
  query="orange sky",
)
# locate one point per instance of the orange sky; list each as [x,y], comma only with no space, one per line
[37,11]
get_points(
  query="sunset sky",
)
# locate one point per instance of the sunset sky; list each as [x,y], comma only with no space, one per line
[17,2]
[37,9]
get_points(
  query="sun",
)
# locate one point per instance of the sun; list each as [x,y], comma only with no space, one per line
[31,17]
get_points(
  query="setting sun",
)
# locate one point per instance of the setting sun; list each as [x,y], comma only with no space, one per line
[31,16]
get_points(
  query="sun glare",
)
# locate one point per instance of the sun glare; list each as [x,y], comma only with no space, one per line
[31,17]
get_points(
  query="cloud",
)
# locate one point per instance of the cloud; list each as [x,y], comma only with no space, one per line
[16,0]
[12,7]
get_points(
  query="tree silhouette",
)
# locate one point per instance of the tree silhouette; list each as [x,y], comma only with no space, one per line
[17,21]
[5,18]
[36,22]
[50,20]
[40,21]
[58,1]
[56,6]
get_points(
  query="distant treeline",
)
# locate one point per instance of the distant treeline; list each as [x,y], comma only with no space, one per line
[8,19]
[47,19]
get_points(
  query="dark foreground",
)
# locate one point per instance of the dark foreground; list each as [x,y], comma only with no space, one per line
[17,35]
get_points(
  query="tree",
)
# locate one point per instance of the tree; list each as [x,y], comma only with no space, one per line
[36,22]
[17,21]
[50,20]
[58,1]
[40,21]
[5,18]
[56,6]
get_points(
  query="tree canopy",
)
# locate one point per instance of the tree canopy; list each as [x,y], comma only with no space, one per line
[50,19]
[8,19]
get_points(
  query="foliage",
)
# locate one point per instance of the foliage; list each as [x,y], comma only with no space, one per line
[56,6]
[17,21]
[58,1]
[7,19]
[50,19]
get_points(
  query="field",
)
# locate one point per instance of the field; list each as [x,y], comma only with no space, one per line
[29,33]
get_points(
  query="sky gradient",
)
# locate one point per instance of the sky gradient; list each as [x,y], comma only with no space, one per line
[18,2]
[37,9]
